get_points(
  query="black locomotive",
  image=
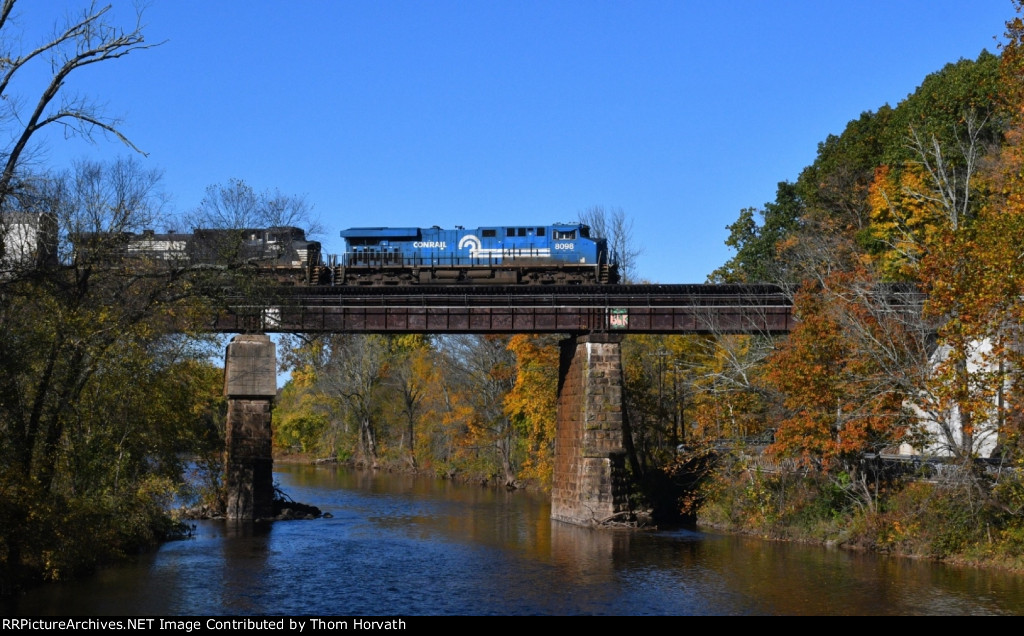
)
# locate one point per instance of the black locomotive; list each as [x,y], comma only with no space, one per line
[282,252]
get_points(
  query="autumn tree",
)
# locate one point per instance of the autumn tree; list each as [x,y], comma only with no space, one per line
[692,389]
[832,197]
[532,402]
[354,373]
[944,226]
[907,248]
[301,418]
[479,371]
[728,398]
[648,370]
[358,396]
[970,267]
[840,401]
[308,416]
[412,375]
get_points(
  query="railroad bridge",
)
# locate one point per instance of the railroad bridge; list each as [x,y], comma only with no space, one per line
[590,483]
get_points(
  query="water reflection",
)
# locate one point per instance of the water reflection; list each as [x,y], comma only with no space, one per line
[415,546]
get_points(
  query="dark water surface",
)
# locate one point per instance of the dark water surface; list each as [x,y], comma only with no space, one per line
[399,545]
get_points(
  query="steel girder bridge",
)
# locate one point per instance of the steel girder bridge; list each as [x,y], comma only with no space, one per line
[651,309]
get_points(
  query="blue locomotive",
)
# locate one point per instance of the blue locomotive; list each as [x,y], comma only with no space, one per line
[562,253]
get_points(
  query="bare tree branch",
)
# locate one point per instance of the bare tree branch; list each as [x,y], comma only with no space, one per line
[951,182]
[83,42]
[613,224]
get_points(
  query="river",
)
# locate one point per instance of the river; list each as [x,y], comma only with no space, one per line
[414,546]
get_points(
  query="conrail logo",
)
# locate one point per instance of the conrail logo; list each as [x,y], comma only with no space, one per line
[437,245]
[476,249]
[470,241]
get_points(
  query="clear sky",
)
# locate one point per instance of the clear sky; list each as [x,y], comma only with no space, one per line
[435,112]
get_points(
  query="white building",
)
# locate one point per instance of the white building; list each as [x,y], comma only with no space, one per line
[941,427]
[29,240]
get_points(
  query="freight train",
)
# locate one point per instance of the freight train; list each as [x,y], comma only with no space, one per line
[562,253]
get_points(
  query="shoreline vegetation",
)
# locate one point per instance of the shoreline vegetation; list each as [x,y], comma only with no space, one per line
[965,514]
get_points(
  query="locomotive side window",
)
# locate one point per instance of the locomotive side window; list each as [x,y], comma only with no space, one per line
[560,235]
[510,231]
[489,233]
[522,231]
[540,231]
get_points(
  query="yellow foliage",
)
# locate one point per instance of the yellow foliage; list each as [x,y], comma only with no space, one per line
[905,220]
[532,403]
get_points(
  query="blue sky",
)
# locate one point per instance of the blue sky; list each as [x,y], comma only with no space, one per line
[420,113]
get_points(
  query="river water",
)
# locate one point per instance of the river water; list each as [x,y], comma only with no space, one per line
[412,546]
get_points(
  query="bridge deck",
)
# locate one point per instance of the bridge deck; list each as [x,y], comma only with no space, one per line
[577,309]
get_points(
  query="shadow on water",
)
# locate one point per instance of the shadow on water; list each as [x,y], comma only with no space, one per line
[400,544]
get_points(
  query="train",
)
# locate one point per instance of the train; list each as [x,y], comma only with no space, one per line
[560,253]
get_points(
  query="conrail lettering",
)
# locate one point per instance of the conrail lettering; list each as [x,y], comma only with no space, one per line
[439,245]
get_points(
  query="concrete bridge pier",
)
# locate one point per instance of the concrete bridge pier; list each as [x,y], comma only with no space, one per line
[590,481]
[250,384]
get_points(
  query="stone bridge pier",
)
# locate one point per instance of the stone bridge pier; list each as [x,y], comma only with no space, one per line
[590,481]
[250,384]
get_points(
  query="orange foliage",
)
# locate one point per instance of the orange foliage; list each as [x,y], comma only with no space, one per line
[831,385]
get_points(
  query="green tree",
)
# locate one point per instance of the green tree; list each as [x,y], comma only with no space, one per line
[300,419]
[90,426]
[756,245]
[836,184]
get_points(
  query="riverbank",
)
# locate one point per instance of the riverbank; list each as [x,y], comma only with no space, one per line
[957,523]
